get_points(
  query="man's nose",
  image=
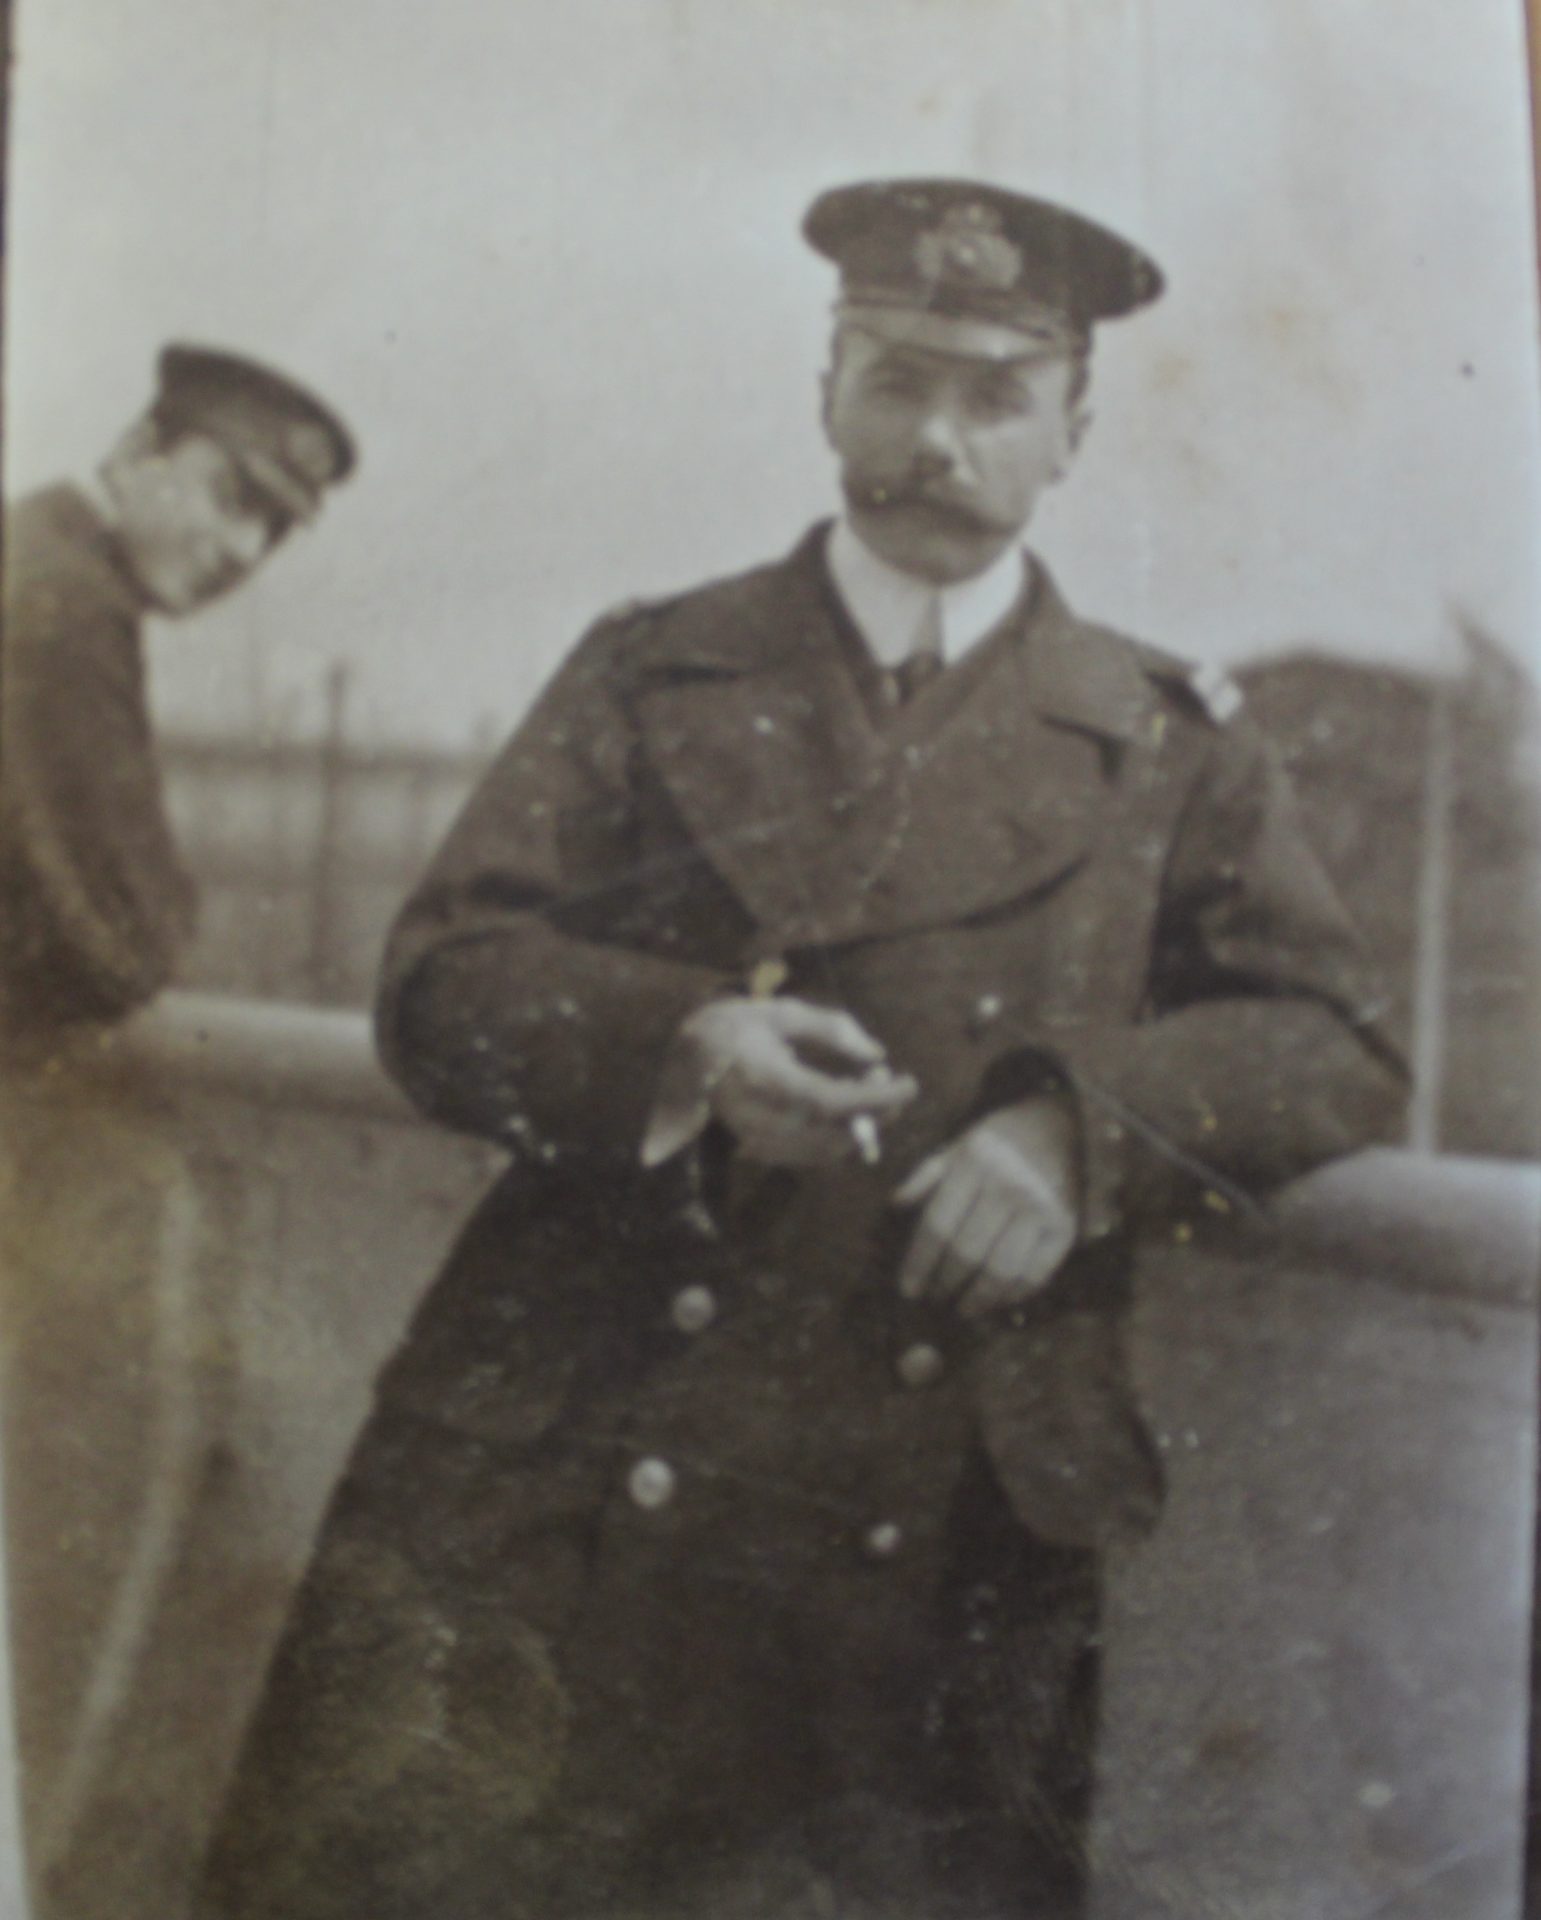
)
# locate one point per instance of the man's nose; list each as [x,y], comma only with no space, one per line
[245,539]
[939,444]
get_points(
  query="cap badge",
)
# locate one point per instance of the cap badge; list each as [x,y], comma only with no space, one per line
[968,246]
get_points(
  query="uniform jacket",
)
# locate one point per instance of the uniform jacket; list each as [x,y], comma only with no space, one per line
[1054,870]
[93,901]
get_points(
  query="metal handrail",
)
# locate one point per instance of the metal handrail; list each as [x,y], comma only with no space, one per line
[1436,1223]
[275,1051]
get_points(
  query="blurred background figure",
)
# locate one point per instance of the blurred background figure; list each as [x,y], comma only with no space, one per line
[103,1229]
[94,903]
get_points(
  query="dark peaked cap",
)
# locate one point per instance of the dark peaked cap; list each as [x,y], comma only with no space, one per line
[967,251]
[289,443]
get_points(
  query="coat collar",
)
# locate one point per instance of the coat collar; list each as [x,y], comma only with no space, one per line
[1078,674]
[1075,673]
[65,524]
[830,827]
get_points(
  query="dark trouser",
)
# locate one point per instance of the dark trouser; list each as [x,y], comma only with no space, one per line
[532,1737]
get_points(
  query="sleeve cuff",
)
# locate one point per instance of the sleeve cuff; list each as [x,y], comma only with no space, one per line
[1104,1144]
[1101,1135]
[682,1107]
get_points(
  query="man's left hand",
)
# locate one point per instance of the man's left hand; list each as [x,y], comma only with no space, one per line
[999,1214]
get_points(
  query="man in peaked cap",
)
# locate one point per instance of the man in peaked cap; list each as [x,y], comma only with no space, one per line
[856,956]
[93,902]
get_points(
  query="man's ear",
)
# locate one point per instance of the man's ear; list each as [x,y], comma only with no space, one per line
[1076,428]
[828,379]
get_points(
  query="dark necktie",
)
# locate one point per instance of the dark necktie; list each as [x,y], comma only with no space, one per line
[924,660]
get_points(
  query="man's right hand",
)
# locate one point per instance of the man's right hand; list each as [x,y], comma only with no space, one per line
[762,1085]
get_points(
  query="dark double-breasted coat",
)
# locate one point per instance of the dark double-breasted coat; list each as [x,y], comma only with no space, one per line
[680,1568]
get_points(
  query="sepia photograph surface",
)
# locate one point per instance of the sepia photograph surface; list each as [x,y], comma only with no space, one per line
[770,960]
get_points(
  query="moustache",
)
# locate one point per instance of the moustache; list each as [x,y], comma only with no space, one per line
[909,496]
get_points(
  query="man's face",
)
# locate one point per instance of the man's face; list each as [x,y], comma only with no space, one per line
[190,522]
[943,457]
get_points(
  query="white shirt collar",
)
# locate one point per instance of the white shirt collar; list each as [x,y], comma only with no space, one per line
[889,607]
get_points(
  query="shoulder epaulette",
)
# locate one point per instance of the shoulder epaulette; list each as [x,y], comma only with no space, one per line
[1206,684]
[1216,691]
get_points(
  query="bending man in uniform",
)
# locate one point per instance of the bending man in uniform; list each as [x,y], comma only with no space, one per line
[94,904]
[96,1203]
[855,955]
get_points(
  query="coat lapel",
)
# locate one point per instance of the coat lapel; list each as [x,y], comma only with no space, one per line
[831,827]
[751,718]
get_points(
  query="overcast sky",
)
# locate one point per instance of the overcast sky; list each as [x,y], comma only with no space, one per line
[545,257]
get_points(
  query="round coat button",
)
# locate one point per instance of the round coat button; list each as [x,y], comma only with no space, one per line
[883,1541]
[694,1309]
[921,1365]
[988,1008]
[652,1482]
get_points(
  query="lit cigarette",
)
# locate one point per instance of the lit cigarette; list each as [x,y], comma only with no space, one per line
[864,1131]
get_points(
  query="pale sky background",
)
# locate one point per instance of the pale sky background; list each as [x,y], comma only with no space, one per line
[544,254]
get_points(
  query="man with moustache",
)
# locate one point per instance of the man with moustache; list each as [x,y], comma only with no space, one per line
[854,955]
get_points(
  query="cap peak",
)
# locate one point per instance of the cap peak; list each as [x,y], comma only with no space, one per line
[289,442]
[975,251]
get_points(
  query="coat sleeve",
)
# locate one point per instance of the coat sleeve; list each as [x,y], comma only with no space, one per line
[94,902]
[516,1002]
[1263,1053]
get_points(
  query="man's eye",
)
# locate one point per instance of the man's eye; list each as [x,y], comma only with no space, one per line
[894,386]
[255,506]
[244,501]
[1000,402]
